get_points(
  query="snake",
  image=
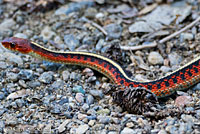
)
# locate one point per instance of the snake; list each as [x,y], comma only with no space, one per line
[180,79]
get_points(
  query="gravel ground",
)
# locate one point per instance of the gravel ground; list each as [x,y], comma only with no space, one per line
[42,97]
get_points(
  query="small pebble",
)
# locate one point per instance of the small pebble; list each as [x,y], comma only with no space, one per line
[181,101]
[127,130]
[21,35]
[96,93]
[89,99]
[71,41]
[46,77]
[155,58]
[47,33]
[186,36]
[174,58]
[114,31]
[78,89]
[80,97]
[82,129]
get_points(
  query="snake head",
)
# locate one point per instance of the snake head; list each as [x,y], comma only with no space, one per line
[17,44]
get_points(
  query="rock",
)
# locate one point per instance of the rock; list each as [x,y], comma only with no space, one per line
[25,74]
[12,76]
[34,84]
[75,7]
[62,10]
[46,77]
[96,93]
[155,58]
[165,69]
[82,129]
[90,13]
[3,65]
[78,89]
[7,24]
[197,87]
[127,130]
[65,75]
[92,79]
[81,116]
[58,84]
[80,97]
[62,127]
[11,57]
[85,107]
[19,94]
[174,59]
[89,99]
[2,95]
[103,112]
[114,31]
[130,124]
[186,36]
[100,44]
[63,101]
[20,103]
[181,101]
[160,17]
[47,33]
[71,41]
[47,129]
[91,122]
[21,35]
[88,72]
[162,132]
[104,119]
[22,83]
[187,118]
[88,40]
[141,26]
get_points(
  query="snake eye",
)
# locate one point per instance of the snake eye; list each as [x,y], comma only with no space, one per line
[12,45]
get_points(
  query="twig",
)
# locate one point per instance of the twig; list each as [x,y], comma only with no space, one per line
[96,25]
[154,44]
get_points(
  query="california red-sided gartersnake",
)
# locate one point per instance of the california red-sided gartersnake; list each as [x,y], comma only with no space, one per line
[180,79]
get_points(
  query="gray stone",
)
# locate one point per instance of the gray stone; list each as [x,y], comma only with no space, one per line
[165,69]
[114,31]
[174,58]
[82,129]
[186,36]
[7,24]
[46,77]
[71,41]
[104,119]
[21,35]
[25,74]
[11,57]
[79,97]
[155,58]
[3,65]
[96,93]
[160,17]
[65,75]
[12,76]
[89,99]
[47,33]
[100,44]
[127,130]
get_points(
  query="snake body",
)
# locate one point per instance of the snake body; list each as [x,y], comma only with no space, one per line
[180,79]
